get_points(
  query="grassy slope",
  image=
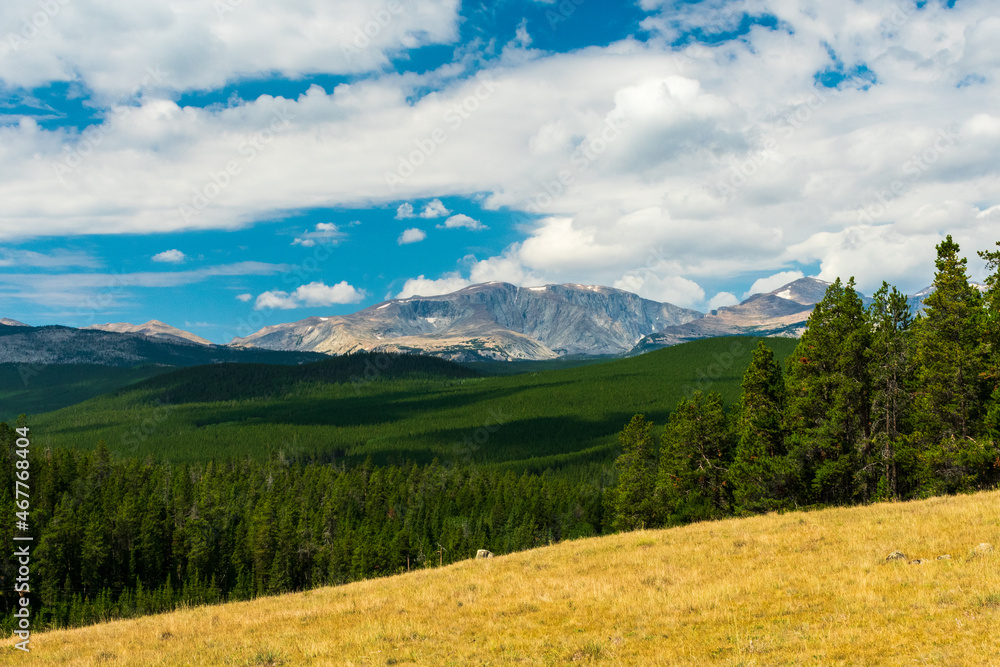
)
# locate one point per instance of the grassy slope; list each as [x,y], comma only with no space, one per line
[800,588]
[565,416]
[34,389]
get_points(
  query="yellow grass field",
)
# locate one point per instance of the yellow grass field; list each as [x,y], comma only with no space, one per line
[795,589]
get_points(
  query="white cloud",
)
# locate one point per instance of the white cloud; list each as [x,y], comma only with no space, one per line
[669,289]
[170,257]
[56,259]
[97,292]
[404,211]
[771,283]
[421,286]
[315,294]
[461,221]
[245,298]
[325,233]
[204,45]
[414,235]
[434,209]
[721,300]
[723,158]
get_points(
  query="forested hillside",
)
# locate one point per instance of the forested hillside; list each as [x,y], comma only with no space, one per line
[873,405]
[372,405]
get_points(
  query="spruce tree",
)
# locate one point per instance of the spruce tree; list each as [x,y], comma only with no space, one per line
[951,378]
[828,398]
[632,501]
[950,352]
[758,473]
[892,369]
[697,449]
[991,342]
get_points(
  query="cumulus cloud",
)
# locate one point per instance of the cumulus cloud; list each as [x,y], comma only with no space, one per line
[245,298]
[421,286]
[434,209]
[721,300]
[462,221]
[170,257]
[724,158]
[771,283]
[414,235]
[677,290]
[313,295]
[404,211]
[325,233]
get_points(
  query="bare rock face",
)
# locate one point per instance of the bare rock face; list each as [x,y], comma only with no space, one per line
[483,553]
[896,555]
[495,321]
[154,329]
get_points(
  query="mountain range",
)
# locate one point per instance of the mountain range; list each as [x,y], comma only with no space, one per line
[497,321]
[492,321]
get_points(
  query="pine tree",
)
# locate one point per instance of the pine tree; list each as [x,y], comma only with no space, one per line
[632,499]
[697,447]
[991,341]
[949,339]
[828,398]
[952,389]
[759,472]
[892,370]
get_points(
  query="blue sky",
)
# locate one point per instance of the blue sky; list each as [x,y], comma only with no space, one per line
[224,167]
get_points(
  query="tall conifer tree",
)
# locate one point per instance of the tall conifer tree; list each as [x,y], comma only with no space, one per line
[632,499]
[697,448]
[828,398]
[892,367]
[759,472]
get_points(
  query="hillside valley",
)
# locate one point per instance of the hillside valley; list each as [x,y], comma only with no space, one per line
[810,588]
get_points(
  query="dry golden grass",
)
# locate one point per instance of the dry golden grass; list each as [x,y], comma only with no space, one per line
[794,589]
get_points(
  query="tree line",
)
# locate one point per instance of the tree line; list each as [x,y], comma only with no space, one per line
[116,538]
[874,404]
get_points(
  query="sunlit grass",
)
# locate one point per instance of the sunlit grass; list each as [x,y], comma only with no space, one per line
[795,589]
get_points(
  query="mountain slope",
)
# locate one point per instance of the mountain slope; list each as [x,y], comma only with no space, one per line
[154,329]
[782,312]
[490,321]
[65,345]
[803,588]
[12,323]
[371,405]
